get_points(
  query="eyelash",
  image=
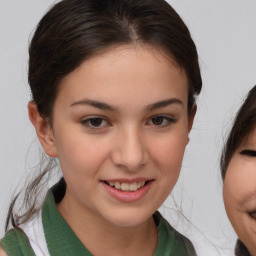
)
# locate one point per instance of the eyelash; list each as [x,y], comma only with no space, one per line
[248,153]
[88,122]
[252,215]
[165,121]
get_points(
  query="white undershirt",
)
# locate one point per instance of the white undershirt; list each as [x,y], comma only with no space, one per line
[35,233]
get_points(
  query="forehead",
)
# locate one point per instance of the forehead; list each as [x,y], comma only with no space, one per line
[125,54]
[129,70]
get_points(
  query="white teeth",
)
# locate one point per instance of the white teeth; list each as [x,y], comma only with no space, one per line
[126,186]
[117,185]
[133,186]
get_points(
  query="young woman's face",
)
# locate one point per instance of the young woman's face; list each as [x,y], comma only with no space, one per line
[240,192]
[120,128]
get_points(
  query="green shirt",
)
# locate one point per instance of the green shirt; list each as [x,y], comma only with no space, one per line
[62,241]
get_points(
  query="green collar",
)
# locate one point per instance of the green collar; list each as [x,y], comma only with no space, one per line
[170,241]
[60,238]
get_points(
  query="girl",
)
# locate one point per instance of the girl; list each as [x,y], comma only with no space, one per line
[238,165]
[113,85]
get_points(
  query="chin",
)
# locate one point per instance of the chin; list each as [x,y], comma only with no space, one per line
[128,218]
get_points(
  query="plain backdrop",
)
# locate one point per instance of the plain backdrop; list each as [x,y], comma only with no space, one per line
[225,35]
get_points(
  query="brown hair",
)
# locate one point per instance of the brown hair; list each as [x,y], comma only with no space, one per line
[73,30]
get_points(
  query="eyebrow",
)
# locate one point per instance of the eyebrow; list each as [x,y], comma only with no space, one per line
[105,106]
[96,104]
[163,103]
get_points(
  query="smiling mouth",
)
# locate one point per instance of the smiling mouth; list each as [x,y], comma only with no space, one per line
[127,187]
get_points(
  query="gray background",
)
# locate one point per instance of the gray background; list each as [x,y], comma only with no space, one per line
[225,34]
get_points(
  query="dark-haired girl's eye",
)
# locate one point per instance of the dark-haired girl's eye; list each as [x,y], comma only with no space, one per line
[248,152]
[253,215]
[161,121]
[95,122]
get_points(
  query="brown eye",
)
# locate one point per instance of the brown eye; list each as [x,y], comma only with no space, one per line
[157,120]
[161,121]
[95,122]
[252,215]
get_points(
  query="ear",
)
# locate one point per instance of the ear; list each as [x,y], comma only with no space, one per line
[191,119]
[43,130]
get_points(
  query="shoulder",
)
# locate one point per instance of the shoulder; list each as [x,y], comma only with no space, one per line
[15,242]
[11,239]
[2,252]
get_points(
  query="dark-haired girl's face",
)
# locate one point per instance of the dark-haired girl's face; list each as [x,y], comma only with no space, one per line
[240,192]
[120,128]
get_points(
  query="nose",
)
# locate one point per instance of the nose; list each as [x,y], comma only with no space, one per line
[130,150]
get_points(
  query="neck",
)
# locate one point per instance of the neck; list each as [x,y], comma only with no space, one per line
[100,236]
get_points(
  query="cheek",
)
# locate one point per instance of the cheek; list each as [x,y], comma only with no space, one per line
[80,154]
[230,202]
[232,192]
[169,151]
[232,189]
[168,155]
[240,181]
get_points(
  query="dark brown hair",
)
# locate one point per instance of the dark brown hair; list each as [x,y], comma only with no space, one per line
[240,249]
[74,30]
[244,124]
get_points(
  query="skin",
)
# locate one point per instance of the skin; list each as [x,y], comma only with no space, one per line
[2,252]
[239,192]
[130,143]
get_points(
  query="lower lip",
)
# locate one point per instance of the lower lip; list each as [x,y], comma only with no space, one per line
[126,196]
